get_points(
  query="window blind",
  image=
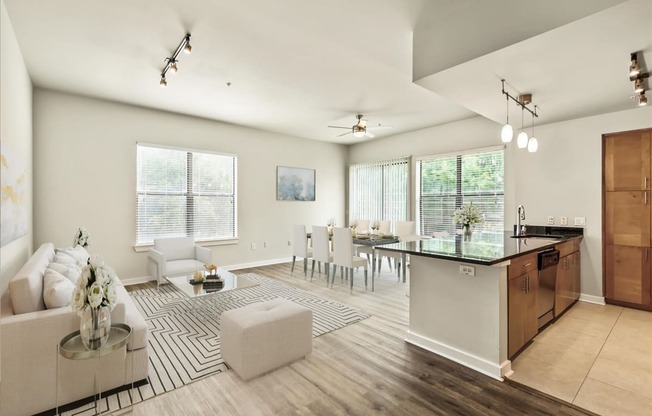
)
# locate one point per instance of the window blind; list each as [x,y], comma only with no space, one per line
[379,190]
[448,182]
[184,193]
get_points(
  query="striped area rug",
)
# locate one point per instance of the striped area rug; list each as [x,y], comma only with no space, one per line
[184,339]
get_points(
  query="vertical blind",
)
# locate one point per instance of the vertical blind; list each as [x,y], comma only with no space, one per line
[184,193]
[446,183]
[379,190]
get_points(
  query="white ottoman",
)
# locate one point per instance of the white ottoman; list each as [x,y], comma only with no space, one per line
[263,336]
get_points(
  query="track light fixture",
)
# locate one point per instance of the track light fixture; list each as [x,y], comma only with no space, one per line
[637,76]
[522,141]
[171,62]
[642,99]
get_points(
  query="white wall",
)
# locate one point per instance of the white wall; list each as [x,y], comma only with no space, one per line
[85,176]
[15,126]
[564,178]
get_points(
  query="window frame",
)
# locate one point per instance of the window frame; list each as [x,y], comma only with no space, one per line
[459,194]
[189,194]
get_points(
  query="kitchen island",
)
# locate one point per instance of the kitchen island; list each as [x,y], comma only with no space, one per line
[459,295]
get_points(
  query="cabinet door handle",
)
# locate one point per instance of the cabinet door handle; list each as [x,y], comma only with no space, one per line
[645,183]
[645,193]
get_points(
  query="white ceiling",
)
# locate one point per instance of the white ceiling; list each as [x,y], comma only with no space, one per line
[297,66]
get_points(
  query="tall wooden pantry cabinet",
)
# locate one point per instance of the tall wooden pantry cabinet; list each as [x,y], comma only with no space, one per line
[627,218]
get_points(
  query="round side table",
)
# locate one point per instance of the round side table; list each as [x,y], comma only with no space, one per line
[72,348]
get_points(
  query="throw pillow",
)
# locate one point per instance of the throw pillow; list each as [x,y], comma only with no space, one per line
[64,258]
[57,289]
[78,253]
[70,271]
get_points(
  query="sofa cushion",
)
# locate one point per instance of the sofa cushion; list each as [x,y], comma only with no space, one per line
[176,248]
[26,287]
[78,253]
[57,289]
[71,272]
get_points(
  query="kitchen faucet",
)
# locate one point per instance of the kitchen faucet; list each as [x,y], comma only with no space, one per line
[520,215]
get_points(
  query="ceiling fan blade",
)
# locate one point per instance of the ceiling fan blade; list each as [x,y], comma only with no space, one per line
[369,134]
[343,134]
[340,127]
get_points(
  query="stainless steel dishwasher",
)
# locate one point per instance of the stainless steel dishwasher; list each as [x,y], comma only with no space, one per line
[548,261]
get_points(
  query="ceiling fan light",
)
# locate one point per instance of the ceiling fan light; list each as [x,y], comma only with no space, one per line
[532,145]
[507,133]
[358,132]
[521,140]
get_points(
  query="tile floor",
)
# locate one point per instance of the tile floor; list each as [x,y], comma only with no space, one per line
[598,357]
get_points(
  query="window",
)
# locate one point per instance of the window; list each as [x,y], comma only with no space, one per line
[447,182]
[185,193]
[379,190]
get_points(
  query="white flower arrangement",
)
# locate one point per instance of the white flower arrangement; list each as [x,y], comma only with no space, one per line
[95,287]
[468,215]
[82,238]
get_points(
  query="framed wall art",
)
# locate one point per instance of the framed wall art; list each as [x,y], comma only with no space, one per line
[295,184]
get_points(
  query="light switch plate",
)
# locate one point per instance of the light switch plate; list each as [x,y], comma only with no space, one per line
[563,220]
[580,221]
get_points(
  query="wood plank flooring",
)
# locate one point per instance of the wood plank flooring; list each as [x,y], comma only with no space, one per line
[363,369]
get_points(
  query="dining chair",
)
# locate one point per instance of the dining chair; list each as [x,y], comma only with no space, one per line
[384,228]
[300,247]
[320,250]
[404,231]
[362,226]
[343,255]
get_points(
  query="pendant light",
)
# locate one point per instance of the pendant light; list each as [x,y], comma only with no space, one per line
[521,140]
[533,143]
[508,132]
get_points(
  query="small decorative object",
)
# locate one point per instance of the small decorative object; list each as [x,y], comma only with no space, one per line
[198,276]
[353,226]
[212,269]
[82,238]
[330,223]
[93,300]
[468,216]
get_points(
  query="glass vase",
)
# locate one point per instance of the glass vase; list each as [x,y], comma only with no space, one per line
[95,326]
[468,232]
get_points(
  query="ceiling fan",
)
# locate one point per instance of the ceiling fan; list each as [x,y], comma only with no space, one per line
[360,129]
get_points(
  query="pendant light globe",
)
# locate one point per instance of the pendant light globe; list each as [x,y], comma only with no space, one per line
[532,145]
[507,133]
[521,140]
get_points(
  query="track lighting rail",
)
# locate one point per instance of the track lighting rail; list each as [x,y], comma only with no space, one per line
[171,62]
[521,102]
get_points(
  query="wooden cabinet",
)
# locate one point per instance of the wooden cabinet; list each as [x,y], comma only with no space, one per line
[630,270]
[522,286]
[627,219]
[567,288]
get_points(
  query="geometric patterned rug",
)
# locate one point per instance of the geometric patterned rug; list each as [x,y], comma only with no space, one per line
[184,341]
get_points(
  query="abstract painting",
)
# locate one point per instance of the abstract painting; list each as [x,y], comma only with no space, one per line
[295,184]
[14,210]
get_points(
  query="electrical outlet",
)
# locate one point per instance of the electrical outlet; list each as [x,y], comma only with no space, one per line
[467,270]
[253,246]
[580,221]
[563,220]
[551,220]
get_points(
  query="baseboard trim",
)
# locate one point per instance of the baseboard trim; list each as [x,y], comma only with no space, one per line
[598,300]
[145,279]
[468,360]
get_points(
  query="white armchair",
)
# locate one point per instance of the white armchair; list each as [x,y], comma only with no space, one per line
[177,255]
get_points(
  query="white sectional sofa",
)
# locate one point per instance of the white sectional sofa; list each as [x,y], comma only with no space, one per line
[30,333]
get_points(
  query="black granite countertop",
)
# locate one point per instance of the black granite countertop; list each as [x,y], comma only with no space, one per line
[487,248]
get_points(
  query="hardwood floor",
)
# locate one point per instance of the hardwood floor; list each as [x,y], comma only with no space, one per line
[363,369]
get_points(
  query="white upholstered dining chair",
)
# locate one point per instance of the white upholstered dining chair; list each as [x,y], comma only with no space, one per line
[300,247]
[321,251]
[343,255]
